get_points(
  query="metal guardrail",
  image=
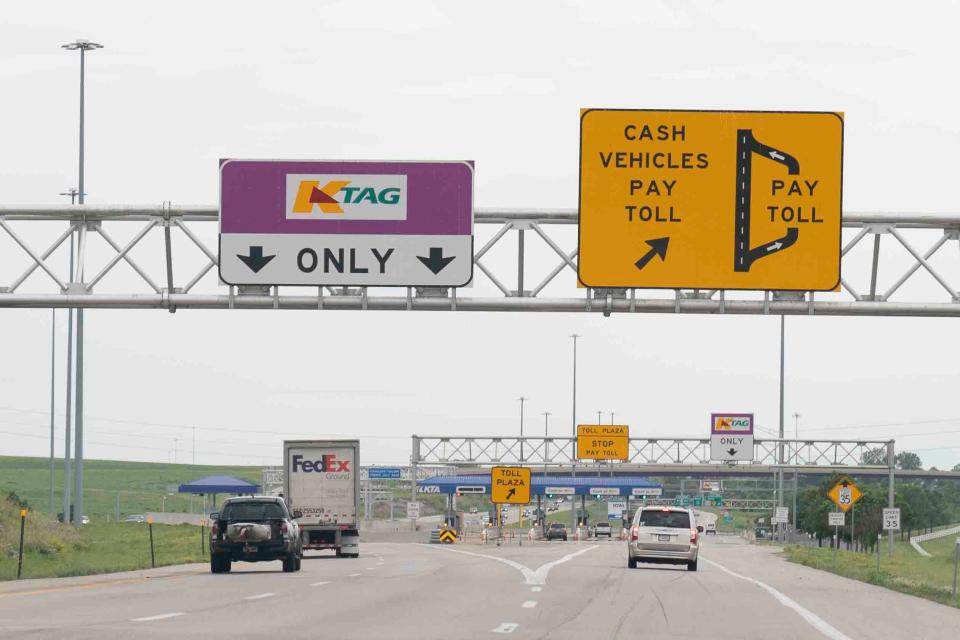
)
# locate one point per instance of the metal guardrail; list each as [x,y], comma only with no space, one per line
[178,270]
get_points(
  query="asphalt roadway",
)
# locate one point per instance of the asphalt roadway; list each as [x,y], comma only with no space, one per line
[418,591]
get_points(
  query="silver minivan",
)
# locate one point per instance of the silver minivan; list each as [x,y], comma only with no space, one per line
[664,535]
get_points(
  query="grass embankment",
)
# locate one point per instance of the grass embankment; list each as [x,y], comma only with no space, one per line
[740,520]
[54,550]
[140,486]
[907,571]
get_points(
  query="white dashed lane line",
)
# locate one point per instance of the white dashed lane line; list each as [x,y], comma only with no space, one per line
[261,596]
[162,616]
[536,589]
[318,584]
[354,575]
[529,604]
[506,627]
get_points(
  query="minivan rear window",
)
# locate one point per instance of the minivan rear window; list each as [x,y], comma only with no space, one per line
[672,519]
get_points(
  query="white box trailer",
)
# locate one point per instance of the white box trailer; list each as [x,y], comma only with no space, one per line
[322,480]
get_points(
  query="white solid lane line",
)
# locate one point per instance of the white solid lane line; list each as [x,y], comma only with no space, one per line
[529,604]
[318,584]
[261,596]
[162,616]
[815,621]
[506,627]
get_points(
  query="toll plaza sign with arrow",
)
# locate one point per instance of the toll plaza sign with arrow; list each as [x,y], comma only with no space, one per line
[731,437]
[346,223]
[710,199]
[510,485]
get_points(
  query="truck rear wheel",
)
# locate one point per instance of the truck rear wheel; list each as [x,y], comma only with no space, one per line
[219,563]
[289,564]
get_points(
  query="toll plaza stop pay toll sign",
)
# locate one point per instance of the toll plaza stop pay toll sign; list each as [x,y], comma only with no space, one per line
[603,442]
[710,199]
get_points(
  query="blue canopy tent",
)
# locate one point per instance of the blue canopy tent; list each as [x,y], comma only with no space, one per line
[212,485]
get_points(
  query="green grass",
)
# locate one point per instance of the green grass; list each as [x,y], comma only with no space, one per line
[907,571]
[742,520]
[54,550]
[141,486]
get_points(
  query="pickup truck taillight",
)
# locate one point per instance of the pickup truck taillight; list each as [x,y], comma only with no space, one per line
[693,536]
[635,533]
[283,527]
[214,530]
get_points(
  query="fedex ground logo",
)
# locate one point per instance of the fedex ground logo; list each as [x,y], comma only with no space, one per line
[346,197]
[724,423]
[327,463]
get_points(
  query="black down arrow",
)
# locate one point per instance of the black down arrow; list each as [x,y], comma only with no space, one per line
[436,262]
[256,260]
[731,451]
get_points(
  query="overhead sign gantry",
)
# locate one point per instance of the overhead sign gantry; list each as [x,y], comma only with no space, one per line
[710,199]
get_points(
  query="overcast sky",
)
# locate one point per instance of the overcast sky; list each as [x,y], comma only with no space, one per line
[181,84]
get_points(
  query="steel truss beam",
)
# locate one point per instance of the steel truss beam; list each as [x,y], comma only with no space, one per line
[922,239]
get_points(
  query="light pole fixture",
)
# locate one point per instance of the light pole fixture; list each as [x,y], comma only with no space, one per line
[522,400]
[72,193]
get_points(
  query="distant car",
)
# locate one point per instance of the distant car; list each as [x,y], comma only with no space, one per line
[556,531]
[84,519]
[711,527]
[136,518]
[473,509]
[603,529]
[664,535]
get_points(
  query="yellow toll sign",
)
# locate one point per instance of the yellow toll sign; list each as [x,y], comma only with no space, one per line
[845,494]
[603,442]
[510,485]
[710,199]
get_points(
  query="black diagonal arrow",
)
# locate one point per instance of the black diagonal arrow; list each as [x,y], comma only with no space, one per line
[731,451]
[658,247]
[436,262]
[256,260]
[510,493]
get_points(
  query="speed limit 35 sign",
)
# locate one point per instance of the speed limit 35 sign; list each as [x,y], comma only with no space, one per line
[891,519]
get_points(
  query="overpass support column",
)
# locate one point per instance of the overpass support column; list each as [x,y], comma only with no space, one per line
[890,491]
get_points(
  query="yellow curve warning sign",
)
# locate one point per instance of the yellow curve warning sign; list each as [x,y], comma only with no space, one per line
[845,494]
[510,485]
[710,199]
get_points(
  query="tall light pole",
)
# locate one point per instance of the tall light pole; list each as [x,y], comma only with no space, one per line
[796,462]
[599,421]
[780,474]
[611,417]
[82,46]
[522,400]
[53,391]
[546,445]
[573,420]
[68,418]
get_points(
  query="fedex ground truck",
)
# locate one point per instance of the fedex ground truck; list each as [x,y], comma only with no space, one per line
[321,480]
